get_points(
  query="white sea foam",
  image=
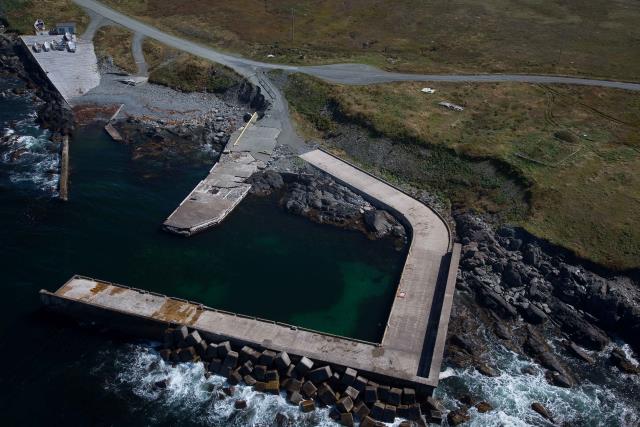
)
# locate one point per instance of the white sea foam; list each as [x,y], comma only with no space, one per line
[190,394]
[33,159]
[448,372]
[512,392]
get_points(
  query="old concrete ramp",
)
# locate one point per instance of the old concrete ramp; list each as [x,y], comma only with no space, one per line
[249,149]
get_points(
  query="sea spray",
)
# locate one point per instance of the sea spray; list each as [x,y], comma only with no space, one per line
[512,392]
[29,159]
[189,395]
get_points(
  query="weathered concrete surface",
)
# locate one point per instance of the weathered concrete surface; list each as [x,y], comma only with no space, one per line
[138,311]
[64,170]
[426,268]
[248,150]
[73,74]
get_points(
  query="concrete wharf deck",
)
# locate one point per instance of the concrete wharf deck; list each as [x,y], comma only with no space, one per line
[72,73]
[411,350]
[248,150]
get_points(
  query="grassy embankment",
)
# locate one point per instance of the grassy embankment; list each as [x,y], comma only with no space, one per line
[115,41]
[21,14]
[596,38]
[577,149]
[186,72]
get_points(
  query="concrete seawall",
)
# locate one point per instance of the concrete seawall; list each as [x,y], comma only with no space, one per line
[64,170]
[419,316]
[147,314]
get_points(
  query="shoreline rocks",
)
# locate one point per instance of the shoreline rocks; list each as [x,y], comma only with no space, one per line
[318,197]
[531,301]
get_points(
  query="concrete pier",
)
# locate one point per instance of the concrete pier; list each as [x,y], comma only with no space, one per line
[148,314]
[248,150]
[72,73]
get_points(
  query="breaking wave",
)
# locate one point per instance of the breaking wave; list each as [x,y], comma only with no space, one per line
[512,392]
[29,160]
[189,395]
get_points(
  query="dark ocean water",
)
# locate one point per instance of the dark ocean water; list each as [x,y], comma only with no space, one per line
[260,261]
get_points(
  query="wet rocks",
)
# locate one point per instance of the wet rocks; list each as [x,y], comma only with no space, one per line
[307,384]
[518,282]
[483,407]
[541,410]
[266,182]
[458,416]
[619,359]
[317,196]
[382,223]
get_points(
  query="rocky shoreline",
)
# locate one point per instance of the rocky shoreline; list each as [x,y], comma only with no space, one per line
[537,305]
[317,196]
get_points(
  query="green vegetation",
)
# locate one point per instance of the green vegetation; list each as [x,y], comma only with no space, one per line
[191,74]
[599,37]
[576,149]
[115,41]
[21,14]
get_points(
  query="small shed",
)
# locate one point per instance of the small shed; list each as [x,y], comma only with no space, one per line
[65,27]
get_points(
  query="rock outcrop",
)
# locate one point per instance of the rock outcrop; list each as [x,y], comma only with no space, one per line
[318,197]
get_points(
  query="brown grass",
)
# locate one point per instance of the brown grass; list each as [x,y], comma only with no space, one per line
[21,14]
[585,194]
[115,42]
[597,38]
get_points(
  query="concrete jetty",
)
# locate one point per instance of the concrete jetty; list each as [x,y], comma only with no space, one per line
[248,150]
[147,314]
[72,73]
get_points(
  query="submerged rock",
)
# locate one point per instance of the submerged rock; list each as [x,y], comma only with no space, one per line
[619,359]
[540,409]
[458,417]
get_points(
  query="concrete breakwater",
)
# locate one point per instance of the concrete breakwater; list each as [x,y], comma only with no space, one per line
[282,356]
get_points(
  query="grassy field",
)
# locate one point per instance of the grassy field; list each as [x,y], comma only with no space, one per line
[597,38]
[186,72]
[21,14]
[577,149]
[115,41]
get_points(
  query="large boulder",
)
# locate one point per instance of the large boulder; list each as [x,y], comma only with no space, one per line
[380,222]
